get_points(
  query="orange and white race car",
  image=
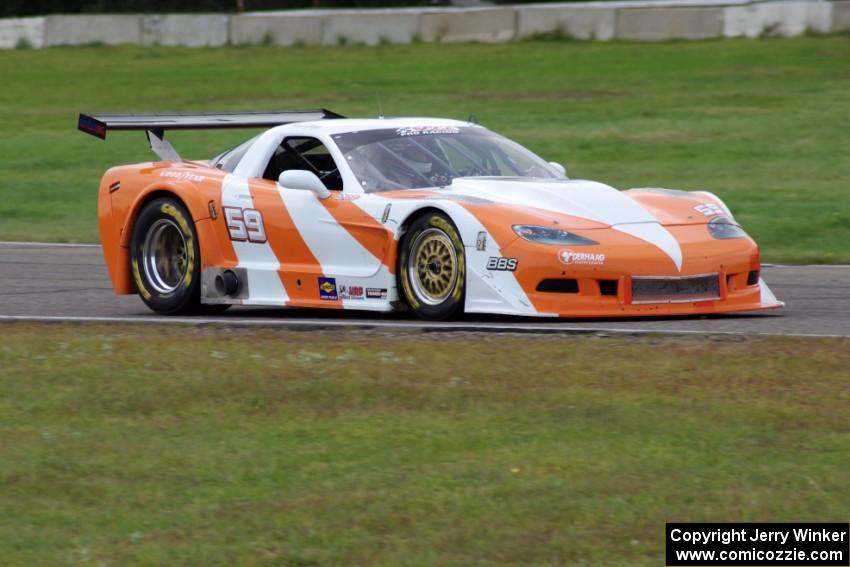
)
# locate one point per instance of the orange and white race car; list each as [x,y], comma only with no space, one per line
[439,216]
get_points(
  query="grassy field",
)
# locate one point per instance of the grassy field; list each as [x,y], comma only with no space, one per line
[763,123]
[144,446]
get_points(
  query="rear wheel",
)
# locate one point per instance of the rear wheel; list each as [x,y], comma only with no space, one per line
[432,268]
[165,258]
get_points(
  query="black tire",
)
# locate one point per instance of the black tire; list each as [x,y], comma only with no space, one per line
[432,268]
[165,258]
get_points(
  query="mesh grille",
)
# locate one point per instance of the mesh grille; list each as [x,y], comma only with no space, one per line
[675,290]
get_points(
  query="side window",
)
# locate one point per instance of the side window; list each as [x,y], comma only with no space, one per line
[230,159]
[304,153]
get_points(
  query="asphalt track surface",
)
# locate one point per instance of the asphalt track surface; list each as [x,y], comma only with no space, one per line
[55,282]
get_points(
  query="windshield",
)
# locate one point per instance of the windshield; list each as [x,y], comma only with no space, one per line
[433,156]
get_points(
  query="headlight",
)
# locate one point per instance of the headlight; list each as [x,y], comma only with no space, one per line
[723,228]
[544,235]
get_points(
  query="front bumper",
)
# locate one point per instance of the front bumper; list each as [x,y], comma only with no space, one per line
[601,282]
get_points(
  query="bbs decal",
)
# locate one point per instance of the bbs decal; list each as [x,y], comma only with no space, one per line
[245,224]
[501,264]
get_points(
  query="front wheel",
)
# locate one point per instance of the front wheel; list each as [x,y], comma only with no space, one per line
[432,268]
[166,259]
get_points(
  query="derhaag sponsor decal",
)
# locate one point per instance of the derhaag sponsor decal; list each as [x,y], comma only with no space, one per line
[376,293]
[327,289]
[568,256]
[497,263]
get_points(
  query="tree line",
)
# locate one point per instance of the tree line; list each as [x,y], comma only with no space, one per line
[21,8]
[18,8]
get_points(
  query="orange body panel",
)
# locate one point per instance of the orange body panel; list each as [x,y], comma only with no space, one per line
[627,257]
[125,189]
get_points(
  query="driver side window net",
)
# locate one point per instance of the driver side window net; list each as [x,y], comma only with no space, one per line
[304,153]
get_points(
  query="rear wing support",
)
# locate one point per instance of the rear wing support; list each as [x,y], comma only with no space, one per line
[155,125]
[162,147]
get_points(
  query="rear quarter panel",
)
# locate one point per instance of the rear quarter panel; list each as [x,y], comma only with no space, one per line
[124,190]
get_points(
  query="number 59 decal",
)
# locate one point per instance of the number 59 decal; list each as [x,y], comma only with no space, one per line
[245,224]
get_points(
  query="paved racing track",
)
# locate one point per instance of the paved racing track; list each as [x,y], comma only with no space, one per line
[69,282]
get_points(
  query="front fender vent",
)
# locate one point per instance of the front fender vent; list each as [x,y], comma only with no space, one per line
[562,285]
[608,287]
[753,277]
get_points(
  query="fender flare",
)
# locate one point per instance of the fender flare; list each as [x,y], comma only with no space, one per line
[186,193]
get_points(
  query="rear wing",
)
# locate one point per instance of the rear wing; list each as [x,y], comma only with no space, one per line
[156,124]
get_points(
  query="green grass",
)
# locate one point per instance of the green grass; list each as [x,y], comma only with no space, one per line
[763,123]
[145,446]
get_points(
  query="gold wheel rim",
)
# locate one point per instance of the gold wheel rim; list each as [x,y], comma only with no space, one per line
[433,266]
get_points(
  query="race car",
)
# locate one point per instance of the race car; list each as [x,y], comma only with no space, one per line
[442,217]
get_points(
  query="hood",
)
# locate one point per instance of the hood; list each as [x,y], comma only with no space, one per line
[589,200]
[674,207]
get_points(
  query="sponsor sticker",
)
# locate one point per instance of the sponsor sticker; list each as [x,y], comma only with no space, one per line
[182,175]
[500,264]
[709,209]
[569,257]
[376,293]
[327,289]
[350,292]
[420,130]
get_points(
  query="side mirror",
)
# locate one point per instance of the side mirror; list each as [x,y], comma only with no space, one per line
[305,180]
[559,168]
